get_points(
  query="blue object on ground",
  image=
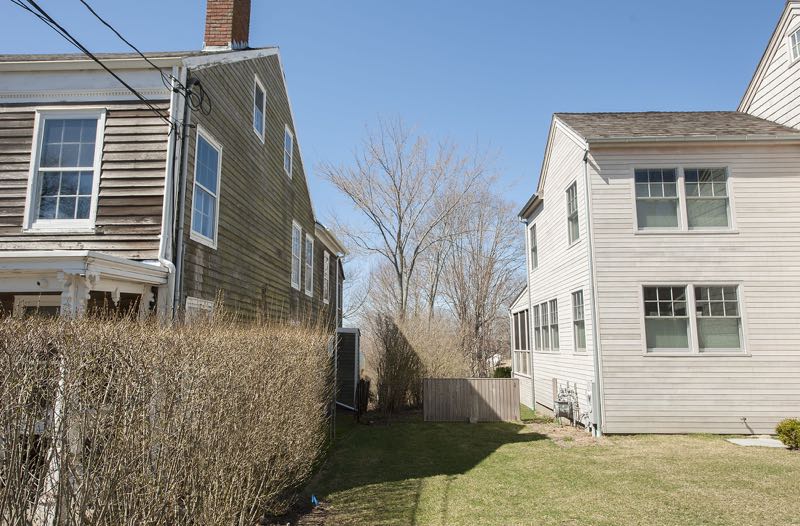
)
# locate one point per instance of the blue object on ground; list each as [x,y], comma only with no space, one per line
[314,501]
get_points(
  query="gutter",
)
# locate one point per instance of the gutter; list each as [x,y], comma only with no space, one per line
[761,139]
[181,204]
[165,252]
[597,398]
[524,221]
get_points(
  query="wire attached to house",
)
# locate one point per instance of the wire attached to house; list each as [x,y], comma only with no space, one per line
[196,98]
[42,15]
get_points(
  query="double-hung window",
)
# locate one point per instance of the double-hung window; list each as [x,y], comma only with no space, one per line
[554,339]
[288,150]
[657,198]
[259,108]
[794,45]
[537,328]
[719,322]
[65,180]
[205,202]
[545,321]
[297,246]
[578,322]
[534,247]
[666,318]
[715,324]
[573,225]
[326,277]
[707,197]
[309,281]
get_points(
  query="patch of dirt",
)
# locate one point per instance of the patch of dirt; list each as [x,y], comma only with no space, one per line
[316,517]
[566,435]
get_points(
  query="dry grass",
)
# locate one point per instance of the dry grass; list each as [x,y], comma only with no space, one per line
[120,422]
[540,473]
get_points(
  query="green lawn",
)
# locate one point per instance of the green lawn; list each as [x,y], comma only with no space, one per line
[410,472]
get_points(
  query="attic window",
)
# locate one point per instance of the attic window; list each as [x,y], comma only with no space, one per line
[794,45]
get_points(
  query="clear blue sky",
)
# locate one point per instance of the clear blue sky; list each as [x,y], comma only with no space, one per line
[492,71]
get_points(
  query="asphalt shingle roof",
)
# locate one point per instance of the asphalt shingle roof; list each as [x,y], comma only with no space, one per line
[641,125]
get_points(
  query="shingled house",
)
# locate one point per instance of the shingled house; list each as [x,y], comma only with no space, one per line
[197,193]
[662,257]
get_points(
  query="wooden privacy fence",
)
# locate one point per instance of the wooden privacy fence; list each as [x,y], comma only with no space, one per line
[470,399]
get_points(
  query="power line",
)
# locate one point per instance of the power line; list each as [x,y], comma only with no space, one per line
[196,101]
[55,26]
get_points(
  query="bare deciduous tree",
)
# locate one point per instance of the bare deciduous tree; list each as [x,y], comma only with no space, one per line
[407,189]
[481,276]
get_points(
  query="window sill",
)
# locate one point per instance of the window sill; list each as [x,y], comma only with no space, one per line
[522,375]
[704,354]
[678,232]
[203,240]
[547,352]
[60,229]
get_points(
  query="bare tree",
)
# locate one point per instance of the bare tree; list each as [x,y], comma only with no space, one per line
[481,276]
[406,189]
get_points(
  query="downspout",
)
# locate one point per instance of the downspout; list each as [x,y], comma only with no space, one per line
[165,251]
[597,398]
[530,310]
[181,205]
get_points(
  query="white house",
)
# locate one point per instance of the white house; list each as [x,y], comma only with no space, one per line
[663,263]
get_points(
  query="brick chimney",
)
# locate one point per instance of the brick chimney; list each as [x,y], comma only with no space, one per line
[227,24]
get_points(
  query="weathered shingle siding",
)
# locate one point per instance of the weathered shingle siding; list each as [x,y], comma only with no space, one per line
[131,183]
[775,95]
[251,266]
[701,393]
[563,269]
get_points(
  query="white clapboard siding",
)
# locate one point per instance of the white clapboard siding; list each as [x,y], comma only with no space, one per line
[774,93]
[701,393]
[563,269]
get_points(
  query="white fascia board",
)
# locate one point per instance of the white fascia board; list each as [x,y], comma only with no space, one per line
[771,50]
[329,240]
[557,125]
[214,59]
[89,64]
[81,262]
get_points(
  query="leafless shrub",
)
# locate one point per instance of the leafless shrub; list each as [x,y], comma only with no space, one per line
[123,422]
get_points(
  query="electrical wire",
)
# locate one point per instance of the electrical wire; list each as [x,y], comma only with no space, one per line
[55,26]
[197,100]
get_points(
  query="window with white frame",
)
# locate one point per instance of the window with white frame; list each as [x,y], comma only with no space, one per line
[794,45]
[309,282]
[297,247]
[657,198]
[537,328]
[719,322]
[707,197]
[544,320]
[288,150]
[666,318]
[573,225]
[259,108]
[205,203]
[534,248]
[65,179]
[521,342]
[578,322]
[554,339]
[326,277]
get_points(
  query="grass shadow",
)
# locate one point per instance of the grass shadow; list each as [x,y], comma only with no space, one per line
[382,469]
